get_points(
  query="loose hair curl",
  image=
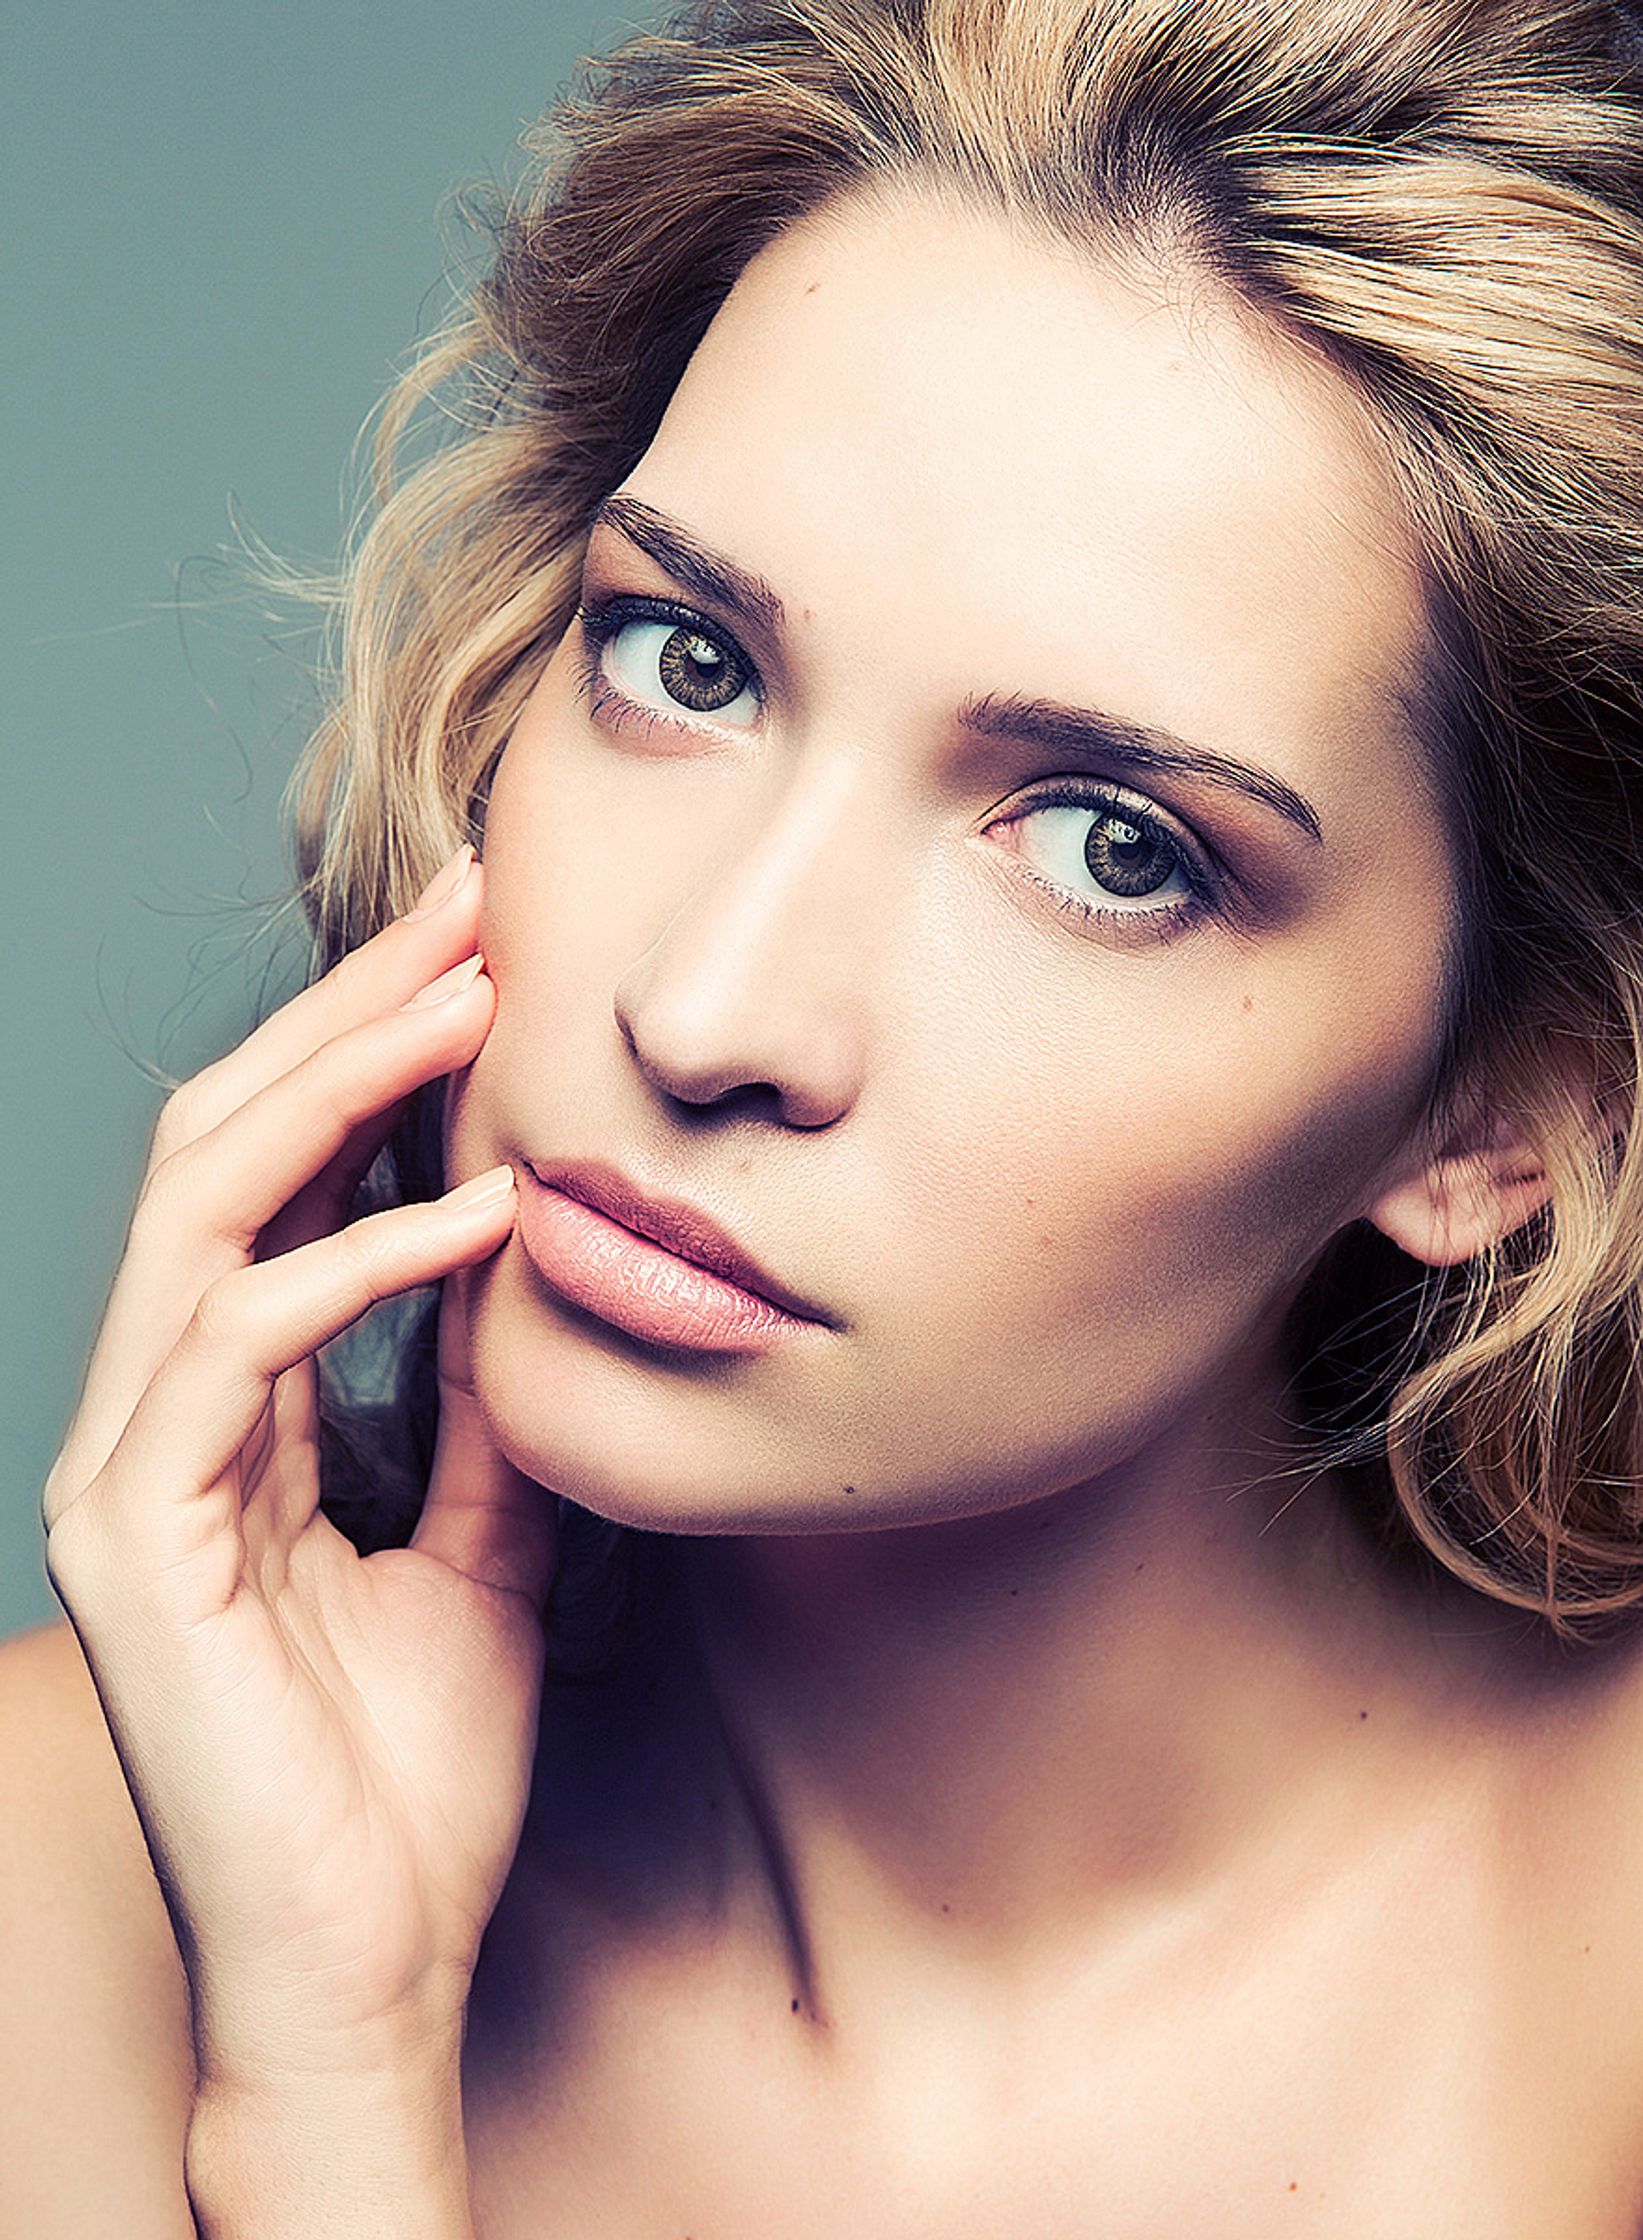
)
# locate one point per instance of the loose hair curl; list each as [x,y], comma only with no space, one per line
[1443,197]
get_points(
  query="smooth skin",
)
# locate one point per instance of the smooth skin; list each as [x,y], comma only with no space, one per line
[1041,1811]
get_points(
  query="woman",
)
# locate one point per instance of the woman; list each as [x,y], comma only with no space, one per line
[1035,615]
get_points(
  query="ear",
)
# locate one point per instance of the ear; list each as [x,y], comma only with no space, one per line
[1463,1199]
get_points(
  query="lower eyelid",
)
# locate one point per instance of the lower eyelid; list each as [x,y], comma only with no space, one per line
[1156,923]
[604,622]
[1200,881]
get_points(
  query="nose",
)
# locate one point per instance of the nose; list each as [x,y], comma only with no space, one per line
[762,978]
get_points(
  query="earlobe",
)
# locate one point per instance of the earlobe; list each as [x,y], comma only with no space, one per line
[1462,1200]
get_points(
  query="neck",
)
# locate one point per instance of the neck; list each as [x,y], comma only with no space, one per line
[1035,1723]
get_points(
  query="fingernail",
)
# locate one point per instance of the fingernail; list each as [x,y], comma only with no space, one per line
[447,985]
[444,883]
[494,1183]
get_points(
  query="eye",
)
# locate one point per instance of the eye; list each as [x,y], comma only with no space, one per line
[654,658]
[1107,857]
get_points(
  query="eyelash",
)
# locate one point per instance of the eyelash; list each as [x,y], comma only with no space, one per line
[601,620]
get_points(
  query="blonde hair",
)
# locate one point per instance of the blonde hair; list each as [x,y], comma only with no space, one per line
[1446,198]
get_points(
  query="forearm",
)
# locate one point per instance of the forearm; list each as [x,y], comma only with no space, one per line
[379,2159]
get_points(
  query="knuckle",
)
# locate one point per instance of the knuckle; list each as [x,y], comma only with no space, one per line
[182,1117]
[368,1255]
[59,1553]
[223,1317]
[166,1189]
[57,1494]
[77,1551]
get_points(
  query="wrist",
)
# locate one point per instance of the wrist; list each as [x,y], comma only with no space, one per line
[356,2154]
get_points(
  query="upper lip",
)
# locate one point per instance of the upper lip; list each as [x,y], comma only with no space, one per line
[684,1229]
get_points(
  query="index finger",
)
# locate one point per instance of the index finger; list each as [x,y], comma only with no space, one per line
[382,973]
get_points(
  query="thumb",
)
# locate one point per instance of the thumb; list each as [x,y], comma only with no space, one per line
[482,1515]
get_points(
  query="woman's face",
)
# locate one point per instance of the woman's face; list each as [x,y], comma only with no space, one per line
[1044,1056]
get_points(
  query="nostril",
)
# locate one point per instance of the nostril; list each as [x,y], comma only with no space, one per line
[752,1099]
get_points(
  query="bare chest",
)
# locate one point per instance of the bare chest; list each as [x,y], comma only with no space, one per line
[1347,2080]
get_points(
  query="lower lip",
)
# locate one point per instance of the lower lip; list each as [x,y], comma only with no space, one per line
[640,1286]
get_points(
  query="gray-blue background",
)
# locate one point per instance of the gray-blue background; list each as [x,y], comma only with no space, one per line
[223,228]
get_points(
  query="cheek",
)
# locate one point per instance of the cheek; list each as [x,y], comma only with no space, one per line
[1076,1270]
[1166,1174]
[548,844]
[558,921]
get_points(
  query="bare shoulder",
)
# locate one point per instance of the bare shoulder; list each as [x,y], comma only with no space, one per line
[96,2064]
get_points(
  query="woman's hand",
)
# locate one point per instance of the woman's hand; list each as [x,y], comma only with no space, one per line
[330,1755]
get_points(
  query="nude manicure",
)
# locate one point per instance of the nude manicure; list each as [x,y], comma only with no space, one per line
[445,882]
[447,985]
[496,1182]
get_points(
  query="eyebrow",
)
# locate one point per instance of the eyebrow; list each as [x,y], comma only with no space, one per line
[709,574]
[1079,735]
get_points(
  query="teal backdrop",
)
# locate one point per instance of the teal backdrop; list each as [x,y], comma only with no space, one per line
[226,222]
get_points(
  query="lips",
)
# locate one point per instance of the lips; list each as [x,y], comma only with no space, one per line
[678,1227]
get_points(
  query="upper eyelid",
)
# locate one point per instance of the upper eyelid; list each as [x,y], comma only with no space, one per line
[690,610]
[605,612]
[723,583]
[601,615]
[1203,860]
[1201,864]
[1083,788]
[674,548]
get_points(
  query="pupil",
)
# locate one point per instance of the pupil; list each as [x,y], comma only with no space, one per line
[698,673]
[1127,857]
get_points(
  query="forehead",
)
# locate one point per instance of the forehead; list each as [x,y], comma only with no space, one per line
[987,452]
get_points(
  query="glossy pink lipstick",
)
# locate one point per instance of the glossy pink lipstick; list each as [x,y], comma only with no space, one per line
[655,1267]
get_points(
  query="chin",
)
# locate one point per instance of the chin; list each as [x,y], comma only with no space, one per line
[693,1446]
[646,1496]
[659,1443]
[683,1510]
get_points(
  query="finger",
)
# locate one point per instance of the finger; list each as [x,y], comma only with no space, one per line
[161,1485]
[232,1182]
[382,973]
[139,1323]
[481,1515]
[324,1203]
[202,1209]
